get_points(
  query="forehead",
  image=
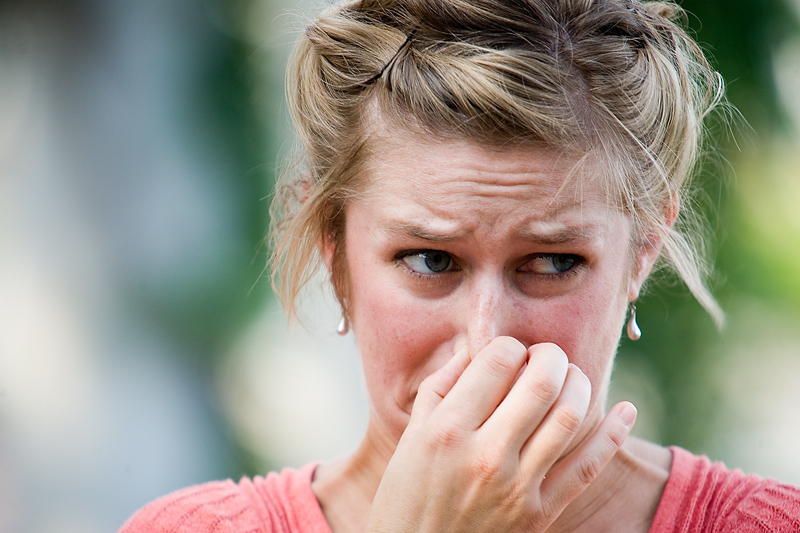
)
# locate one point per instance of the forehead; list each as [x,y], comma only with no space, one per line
[441,173]
[435,190]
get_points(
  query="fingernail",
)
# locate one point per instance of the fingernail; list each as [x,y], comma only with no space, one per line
[576,367]
[628,415]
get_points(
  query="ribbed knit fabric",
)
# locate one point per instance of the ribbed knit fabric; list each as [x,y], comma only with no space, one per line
[705,497]
[279,503]
[700,497]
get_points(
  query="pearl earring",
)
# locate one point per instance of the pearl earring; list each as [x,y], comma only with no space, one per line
[634,333]
[343,326]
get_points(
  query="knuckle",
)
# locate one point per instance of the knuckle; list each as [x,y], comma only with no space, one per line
[588,469]
[517,493]
[445,437]
[501,365]
[617,438]
[540,515]
[487,466]
[545,388]
[505,356]
[569,417]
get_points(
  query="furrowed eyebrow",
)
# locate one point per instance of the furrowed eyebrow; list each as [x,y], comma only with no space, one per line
[406,229]
[558,236]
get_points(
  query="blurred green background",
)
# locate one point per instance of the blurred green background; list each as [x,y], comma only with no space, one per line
[141,349]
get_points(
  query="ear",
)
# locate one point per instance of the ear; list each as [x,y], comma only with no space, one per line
[649,250]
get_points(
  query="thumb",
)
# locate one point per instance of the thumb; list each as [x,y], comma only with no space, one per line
[435,387]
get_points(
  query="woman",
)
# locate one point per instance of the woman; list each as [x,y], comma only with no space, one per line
[489,184]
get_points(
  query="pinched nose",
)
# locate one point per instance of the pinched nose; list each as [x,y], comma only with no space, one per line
[489,313]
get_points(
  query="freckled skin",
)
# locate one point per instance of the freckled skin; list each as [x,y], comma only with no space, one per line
[491,211]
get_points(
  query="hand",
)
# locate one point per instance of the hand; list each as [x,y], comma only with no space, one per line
[484,444]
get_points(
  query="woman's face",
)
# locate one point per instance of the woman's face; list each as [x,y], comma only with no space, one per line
[453,244]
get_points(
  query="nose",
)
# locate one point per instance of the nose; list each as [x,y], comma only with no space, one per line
[489,307]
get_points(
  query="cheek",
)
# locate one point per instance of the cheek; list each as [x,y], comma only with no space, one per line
[402,339]
[580,327]
[597,319]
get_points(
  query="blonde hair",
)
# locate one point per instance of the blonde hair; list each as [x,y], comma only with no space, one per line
[618,79]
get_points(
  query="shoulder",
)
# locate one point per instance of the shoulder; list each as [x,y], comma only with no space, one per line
[707,497]
[277,503]
[216,506]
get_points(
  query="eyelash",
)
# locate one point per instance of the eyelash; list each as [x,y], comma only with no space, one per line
[400,260]
[578,263]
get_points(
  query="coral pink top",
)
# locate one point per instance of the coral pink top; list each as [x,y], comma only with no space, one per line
[705,497]
[279,503]
[700,497]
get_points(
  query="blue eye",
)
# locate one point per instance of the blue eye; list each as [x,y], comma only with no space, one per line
[551,264]
[429,262]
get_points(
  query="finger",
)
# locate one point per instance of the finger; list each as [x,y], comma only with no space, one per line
[532,396]
[559,427]
[571,476]
[485,382]
[436,386]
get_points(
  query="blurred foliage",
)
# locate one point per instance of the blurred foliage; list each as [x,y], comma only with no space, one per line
[212,315]
[208,315]
[741,37]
